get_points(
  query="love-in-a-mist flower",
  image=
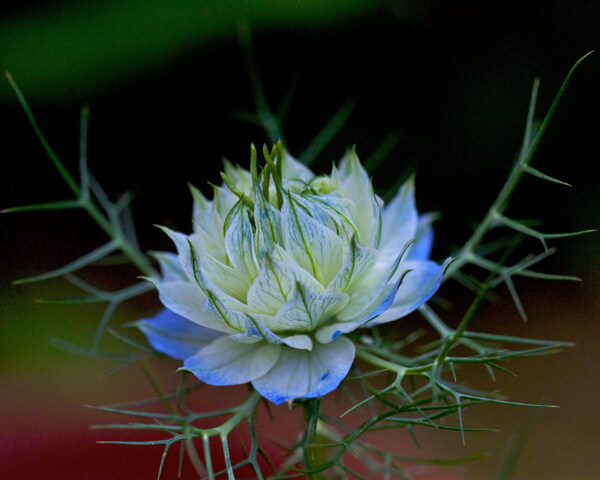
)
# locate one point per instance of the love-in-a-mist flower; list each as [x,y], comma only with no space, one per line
[280,266]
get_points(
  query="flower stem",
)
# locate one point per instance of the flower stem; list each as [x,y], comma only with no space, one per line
[520,167]
[315,454]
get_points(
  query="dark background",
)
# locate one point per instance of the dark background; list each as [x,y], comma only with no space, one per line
[451,80]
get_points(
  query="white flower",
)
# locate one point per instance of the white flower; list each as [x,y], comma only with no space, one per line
[274,275]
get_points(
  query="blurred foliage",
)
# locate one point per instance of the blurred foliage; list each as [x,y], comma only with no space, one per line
[79,45]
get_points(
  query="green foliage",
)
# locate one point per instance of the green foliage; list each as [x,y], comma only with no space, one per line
[402,383]
[86,44]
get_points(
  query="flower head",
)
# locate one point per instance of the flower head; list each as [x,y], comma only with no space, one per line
[280,266]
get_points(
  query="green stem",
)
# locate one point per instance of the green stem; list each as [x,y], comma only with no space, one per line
[315,455]
[112,229]
[399,370]
[519,168]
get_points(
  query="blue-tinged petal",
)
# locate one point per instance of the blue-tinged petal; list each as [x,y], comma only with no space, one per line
[174,335]
[421,249]
[380,304]
[227,362]
[419,286]
[373,287]
[304,374]
[399,221]
[186,299]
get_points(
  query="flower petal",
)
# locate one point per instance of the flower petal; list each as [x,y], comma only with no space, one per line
[360,259]
[399,221]
[383,300]
[306,309]
[304,374]
[354,183]
[255,330]
[224,277]
[373,287]
[292,168]
[186,299]
[239,242]
[275,284]
[421,249]
[315,247]
[170,266]
[267,220]
[227,362]
[174,335]
[419,286]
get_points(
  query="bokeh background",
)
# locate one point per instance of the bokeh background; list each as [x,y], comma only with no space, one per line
[444,84]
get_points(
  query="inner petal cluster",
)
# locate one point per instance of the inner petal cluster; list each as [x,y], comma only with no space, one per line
[286,261]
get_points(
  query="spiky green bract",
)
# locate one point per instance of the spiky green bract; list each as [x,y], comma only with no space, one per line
[114,218]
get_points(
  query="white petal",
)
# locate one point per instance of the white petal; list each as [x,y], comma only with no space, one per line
[299,342]
[267,220]
[318,211]
[241,178]
[378,304]
[201,211]
[306,309]
[359,261]
[239,242]
[356,185]
[196,272]
[315,247]
[292,168]
[304,374]
[215,307]
[399,221]
[181,244]
[256,330]
[225,278]
[276,283]
[227,362]
[373,288]
[343,210]
[186,299]
[170,266]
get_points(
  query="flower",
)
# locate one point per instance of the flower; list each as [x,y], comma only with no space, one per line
[280,266]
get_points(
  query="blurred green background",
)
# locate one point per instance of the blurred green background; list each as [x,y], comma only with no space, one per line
[166,82]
